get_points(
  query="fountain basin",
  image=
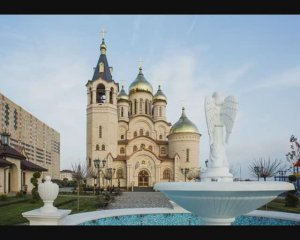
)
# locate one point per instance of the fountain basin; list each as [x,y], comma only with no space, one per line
[219,203]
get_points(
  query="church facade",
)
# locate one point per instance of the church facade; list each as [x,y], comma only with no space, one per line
[129,139]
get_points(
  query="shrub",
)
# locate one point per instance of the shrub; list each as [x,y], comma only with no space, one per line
[104,199]
[3,197]
[118,192]
[291,199]
[19,195]
[292,178]
[34,181]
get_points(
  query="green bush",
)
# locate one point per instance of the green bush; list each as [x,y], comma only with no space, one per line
[291,199]
[34,181]
[3,197]
[37,175]
[19,195]
[292,178]
[104,199]
[118,192]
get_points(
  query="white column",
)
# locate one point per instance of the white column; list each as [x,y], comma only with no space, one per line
[107,95]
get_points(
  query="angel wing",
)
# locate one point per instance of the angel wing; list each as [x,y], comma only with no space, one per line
[228,114]
[210,115]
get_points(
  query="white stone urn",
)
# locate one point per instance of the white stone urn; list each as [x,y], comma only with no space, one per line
[48,192]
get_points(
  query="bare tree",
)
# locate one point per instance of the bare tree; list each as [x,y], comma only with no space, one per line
[293,157]
[92,173]
[80,174]
[265,168]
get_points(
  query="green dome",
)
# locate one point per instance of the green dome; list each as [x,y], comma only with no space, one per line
[159,95]
[122,95]
[184,125]
[140,84]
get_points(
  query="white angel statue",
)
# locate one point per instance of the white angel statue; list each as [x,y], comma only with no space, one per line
[219,114]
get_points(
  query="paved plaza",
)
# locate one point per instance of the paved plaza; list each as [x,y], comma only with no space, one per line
[140,200]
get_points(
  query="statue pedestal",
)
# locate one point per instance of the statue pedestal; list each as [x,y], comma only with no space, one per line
[39,217]
[217,174]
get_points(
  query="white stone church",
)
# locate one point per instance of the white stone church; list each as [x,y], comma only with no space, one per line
[130,132]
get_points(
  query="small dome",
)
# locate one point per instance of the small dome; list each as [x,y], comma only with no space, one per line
[184,125]
[123,95]
[159,95]
[140,84]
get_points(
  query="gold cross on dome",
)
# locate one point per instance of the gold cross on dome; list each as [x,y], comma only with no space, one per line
[103,32]
[140,63]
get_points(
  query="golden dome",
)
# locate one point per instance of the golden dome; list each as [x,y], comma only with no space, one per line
[184,125]
[122,95]
[159,96]
[140,84]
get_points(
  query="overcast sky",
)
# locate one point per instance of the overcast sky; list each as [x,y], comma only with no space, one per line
[46,60]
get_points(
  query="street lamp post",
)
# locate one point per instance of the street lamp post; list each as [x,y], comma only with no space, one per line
[99,164]
[185,172]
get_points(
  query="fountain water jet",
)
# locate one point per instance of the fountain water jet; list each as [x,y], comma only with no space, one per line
[218,200]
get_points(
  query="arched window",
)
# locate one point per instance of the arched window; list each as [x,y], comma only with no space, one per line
[141,132]
[141,105]
[122,136]
[135,134]
[111,95]
[97,147]
[135,106]
[91,96]
[120,173]
[167,174]
[135,148]
[160,111]
[100,93]
[100,131]
[187,155]
[122,112]
[163,150]
[122,150]
[142,146]
[150,148]
[160,136]
[147,133]
[146,106]
[103,147]
[130,109]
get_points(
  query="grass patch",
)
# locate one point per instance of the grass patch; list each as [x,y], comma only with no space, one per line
[12,214]
[278,204]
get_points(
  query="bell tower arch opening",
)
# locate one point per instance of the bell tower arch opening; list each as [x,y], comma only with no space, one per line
[100,93]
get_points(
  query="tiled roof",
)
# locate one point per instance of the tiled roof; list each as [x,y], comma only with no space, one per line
[29,166]
[8,151]
[4,163]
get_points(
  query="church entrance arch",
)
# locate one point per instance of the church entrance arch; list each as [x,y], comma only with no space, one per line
[143,179]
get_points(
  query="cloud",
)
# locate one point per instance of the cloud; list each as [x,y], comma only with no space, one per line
[288,78]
